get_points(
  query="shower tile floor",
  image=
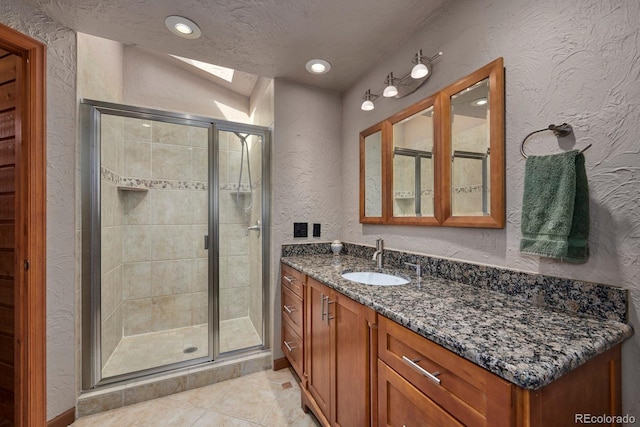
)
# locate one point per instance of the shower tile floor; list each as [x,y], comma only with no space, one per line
[137,352]
[266,398]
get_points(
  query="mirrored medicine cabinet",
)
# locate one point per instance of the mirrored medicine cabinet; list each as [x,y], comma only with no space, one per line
[439,162]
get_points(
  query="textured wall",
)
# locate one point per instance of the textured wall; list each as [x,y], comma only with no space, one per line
[305,172]
[574,61]
[61,117]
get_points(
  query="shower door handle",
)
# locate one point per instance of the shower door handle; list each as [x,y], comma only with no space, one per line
[256,227]
[206,242]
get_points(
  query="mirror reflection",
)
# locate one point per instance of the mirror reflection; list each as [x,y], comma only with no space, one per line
[470,154]
[373,175]
[413,186]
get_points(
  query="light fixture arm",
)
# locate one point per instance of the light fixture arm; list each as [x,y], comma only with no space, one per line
[404,85]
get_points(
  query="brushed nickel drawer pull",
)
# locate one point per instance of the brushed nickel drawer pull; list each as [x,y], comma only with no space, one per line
[324,300]
[289,279]
[414,365]
[288,309]
[329,317]
[286,344]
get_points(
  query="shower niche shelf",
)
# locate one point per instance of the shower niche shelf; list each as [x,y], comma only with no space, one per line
[132,188]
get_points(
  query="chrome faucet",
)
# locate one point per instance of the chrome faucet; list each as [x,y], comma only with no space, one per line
[377,256]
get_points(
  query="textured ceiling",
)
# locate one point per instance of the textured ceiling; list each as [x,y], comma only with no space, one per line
[271,38]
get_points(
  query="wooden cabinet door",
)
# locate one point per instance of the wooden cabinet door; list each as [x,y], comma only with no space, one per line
[351,362]
[318,346]
[401,404]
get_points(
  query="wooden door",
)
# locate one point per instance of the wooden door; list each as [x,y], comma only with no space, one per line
[350,395]
[318,346]
[23,209]
[7,233]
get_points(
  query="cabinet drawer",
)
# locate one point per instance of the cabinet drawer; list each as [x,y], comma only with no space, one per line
[463,389]
[292,346]
[292,279]
[292,309]
[401,404]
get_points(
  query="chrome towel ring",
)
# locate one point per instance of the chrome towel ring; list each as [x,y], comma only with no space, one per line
[559,130]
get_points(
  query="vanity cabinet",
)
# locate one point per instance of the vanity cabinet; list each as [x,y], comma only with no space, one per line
[338,357]
[421,383]
[292,297]
[358,368]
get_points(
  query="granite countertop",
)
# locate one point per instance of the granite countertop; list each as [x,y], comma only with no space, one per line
[528,345]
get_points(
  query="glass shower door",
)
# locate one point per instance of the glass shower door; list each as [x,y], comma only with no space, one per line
[240,293]
[154,287]
[173,238]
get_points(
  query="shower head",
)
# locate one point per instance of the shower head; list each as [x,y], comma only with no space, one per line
[243,139]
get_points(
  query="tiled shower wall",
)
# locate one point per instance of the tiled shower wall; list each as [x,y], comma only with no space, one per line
[235,274]
[154,263]
[164,260]
[112,221]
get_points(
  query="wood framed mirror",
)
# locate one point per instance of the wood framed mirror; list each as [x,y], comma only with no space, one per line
[441,160]
[473,140]
[372,175]
[415,190]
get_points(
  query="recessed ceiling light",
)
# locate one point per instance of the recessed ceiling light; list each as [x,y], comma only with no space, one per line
[479,102]
[318,66]
[182,27]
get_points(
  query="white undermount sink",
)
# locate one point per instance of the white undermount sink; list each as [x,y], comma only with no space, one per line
[373,278]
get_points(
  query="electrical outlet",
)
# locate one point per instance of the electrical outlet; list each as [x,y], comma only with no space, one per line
[316,230]
[300,229]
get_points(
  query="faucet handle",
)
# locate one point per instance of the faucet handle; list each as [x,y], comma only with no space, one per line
[418,268]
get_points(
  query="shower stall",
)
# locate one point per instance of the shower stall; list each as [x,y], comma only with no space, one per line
[175,241]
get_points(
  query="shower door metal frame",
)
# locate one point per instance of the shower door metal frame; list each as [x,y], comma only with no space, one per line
[90,132]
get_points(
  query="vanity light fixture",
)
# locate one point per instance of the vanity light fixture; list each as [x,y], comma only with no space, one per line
[398,87]
[369,97]
[318,66]
[420,70]
[391,89]
[183,27]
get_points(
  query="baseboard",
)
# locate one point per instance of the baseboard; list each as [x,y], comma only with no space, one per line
[64,419]
[281,363]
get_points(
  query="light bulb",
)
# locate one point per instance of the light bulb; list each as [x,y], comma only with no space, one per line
[419,71]
[318,68]
[390,91]
[367,105]
[183,28]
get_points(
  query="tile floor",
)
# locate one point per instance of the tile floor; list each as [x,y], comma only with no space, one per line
[137,352]
[266,398]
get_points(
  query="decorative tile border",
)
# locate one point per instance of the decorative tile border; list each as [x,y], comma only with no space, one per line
[468,189]
[576,296]
[429,192]
[166,184]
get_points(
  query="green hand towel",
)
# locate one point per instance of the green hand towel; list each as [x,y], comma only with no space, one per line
[555,207]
